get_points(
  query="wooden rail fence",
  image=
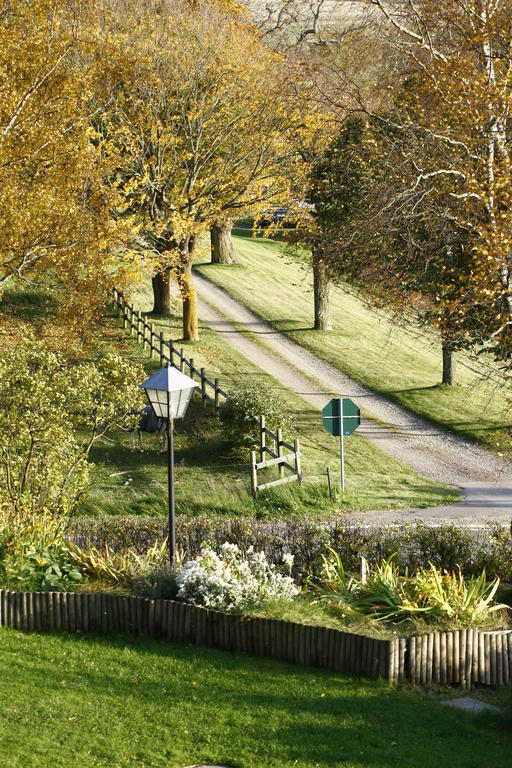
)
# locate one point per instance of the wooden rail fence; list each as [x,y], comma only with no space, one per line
[210,393]
[277,459]
[167,352]
[464,657]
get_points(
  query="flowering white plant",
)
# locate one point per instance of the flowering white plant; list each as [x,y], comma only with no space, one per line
[230,581]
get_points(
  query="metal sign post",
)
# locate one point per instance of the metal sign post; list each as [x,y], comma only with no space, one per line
[342,455]
[340,418]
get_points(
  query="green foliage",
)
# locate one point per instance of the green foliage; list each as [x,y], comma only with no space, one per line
[51,413]
[158,583]
[241,412]
[343,176]
[117,568]
[34,555]
[430,594]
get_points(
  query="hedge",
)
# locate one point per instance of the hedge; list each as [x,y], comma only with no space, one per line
[416,545]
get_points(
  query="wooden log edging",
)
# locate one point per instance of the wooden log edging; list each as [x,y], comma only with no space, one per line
[182,622]
[466,657]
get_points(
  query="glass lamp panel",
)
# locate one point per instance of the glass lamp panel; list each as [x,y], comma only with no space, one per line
[173,397]
[158,400]
[179,399]
[186,395]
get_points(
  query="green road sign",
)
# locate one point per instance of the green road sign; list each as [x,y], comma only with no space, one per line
[331,416]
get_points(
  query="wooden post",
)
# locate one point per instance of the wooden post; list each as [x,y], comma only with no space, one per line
[262,438]
[125,316]
[132,312]
[437,654]
[254,474]
[151,339]
[139,322]
[216,382]
[296,449]
[161,348]
[203,387]
[280,450]
[182,359]
[469,658]
[144,335]
[191,368]
[412,660]
[329,483]
[443,657]
[171,351]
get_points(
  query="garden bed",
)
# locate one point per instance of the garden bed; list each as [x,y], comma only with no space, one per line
[464,657]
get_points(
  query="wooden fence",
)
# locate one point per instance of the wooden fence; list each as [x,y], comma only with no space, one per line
[210,392]
[167,352]
[277,459]
[464,657]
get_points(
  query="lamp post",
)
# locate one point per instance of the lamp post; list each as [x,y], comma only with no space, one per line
[169,392]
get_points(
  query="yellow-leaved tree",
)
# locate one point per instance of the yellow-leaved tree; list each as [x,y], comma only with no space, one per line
[454,124]
[55,207]
[202,123]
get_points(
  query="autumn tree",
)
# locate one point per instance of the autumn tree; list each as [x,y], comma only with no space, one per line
[54,204]
[460,54]
[201,123]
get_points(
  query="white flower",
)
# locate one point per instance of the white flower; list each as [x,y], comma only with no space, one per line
[231,581]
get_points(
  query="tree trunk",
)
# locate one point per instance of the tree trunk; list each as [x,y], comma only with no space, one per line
[162,293]
[188,294]
[223,251]
[321,295]
[449,365]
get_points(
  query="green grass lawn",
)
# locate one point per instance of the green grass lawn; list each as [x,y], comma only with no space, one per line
[122,702]
[210,478]
[402,362]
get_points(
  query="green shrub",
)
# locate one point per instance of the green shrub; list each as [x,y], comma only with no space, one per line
[34,554]
[51,413]
[158,583]
[307,540]
[241,412]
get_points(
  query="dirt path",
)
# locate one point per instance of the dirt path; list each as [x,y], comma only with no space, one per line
[485,480]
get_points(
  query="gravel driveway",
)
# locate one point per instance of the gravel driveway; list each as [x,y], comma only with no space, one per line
[485,480]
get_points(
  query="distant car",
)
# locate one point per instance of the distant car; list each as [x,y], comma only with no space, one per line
[273,216]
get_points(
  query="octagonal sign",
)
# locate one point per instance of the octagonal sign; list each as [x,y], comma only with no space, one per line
[333,411]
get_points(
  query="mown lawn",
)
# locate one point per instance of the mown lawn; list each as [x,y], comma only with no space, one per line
[402,362]
[90,701]
[211,478]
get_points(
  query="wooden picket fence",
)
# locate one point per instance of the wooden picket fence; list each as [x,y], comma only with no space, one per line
[464,657]
[167,352]
[277,459]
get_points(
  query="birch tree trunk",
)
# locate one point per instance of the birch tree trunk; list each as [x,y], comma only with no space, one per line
[222,248]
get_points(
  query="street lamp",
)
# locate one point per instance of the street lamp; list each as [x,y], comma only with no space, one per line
[169,392]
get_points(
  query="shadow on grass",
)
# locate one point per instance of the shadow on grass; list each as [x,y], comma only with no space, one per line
[29,304]
[240,710]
